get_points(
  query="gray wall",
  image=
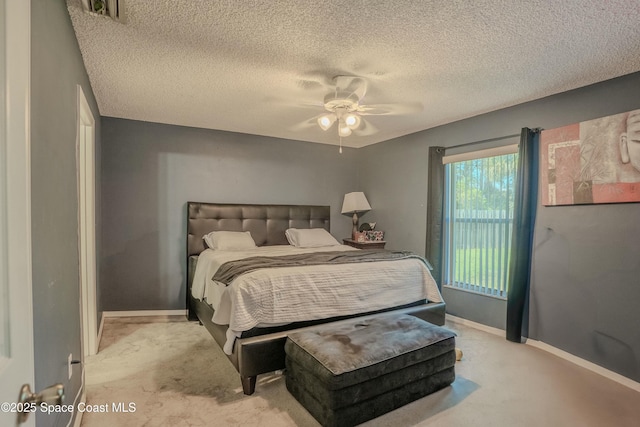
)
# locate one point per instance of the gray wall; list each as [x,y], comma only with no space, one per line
[151,170]
[585,284]
[56,68]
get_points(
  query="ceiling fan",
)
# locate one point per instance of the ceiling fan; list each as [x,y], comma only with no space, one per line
[344,106]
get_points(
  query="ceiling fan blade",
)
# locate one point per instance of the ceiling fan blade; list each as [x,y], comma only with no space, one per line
[390,109]
[309,123]
[317,79]
[365,128]
[307,84]
[351,86]
[291,103]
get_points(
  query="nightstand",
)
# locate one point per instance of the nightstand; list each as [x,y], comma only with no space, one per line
[364,245]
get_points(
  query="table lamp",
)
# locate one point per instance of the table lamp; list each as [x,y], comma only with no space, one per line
[355,203]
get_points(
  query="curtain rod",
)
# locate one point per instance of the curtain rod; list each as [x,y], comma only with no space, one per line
[482,141]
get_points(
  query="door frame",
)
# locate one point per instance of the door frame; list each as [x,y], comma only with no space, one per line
[85,159]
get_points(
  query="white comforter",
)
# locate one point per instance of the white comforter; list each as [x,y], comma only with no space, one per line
[283,295]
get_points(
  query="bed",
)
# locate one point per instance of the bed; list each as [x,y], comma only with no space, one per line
[256,346]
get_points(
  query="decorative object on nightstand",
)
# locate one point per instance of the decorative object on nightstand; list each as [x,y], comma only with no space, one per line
[360,236]
[355,203]
[374,236]
[367,226]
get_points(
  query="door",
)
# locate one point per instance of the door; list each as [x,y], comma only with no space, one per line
[16,318]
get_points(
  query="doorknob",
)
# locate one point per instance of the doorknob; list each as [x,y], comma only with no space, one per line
[28,401]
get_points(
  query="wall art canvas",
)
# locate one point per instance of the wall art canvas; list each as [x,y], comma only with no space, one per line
[597,161]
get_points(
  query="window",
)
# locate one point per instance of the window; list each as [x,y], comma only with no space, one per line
[479,201]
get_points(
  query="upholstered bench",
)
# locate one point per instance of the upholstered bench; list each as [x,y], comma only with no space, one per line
[357,370]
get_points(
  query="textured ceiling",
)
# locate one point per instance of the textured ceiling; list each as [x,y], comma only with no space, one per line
[255,66]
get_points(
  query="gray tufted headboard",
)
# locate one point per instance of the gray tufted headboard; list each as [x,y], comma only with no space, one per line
[267,223]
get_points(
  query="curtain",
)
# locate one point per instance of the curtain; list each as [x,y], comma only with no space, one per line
[435,210]
[524,216]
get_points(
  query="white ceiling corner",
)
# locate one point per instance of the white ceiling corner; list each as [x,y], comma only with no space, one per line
[253,66]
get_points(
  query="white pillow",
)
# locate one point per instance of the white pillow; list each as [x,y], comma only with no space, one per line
[310,237]
[229,240]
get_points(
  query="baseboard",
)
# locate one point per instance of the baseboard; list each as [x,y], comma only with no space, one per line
[100,328]
[628,382]
[82,395]
[620,379]
[83,399]
[476,325]
[141,313]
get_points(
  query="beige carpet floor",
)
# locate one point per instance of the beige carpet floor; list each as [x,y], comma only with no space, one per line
[174,374]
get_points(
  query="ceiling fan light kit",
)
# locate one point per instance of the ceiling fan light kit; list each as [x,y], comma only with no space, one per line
[342,107]
[346,122]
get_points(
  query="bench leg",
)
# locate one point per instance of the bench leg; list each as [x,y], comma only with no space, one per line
[248,385]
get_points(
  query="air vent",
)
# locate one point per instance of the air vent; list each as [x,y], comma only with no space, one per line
[110,8]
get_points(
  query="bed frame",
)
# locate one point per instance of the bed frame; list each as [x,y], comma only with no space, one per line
[267,223]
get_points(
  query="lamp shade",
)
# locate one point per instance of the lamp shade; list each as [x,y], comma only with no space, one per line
[355,202]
